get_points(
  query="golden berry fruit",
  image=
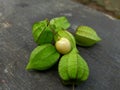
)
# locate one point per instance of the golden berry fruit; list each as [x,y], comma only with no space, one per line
[63,45]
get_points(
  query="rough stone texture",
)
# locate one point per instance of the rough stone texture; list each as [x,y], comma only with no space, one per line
[16,44]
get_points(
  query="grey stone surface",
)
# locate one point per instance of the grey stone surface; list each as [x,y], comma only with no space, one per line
[16,44]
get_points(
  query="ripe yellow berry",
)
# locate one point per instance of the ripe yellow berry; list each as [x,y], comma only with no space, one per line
[63,45]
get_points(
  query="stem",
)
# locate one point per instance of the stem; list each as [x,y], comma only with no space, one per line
[73,86]
[54,32]
[47,21]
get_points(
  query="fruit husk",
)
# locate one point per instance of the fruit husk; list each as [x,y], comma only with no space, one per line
[73,68]
[59,23]
[86,36]
[43,57]
[42,33]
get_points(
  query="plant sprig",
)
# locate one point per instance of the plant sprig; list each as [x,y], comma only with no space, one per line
[53,39]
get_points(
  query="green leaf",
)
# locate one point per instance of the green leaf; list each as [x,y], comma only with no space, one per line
[43,57]
[59,23]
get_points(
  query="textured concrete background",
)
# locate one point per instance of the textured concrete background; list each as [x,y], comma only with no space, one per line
[16,44]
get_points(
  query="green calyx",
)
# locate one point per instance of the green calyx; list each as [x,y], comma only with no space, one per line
[43,57]
[59,23]
[86,36]
[73,68]
[42,33]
